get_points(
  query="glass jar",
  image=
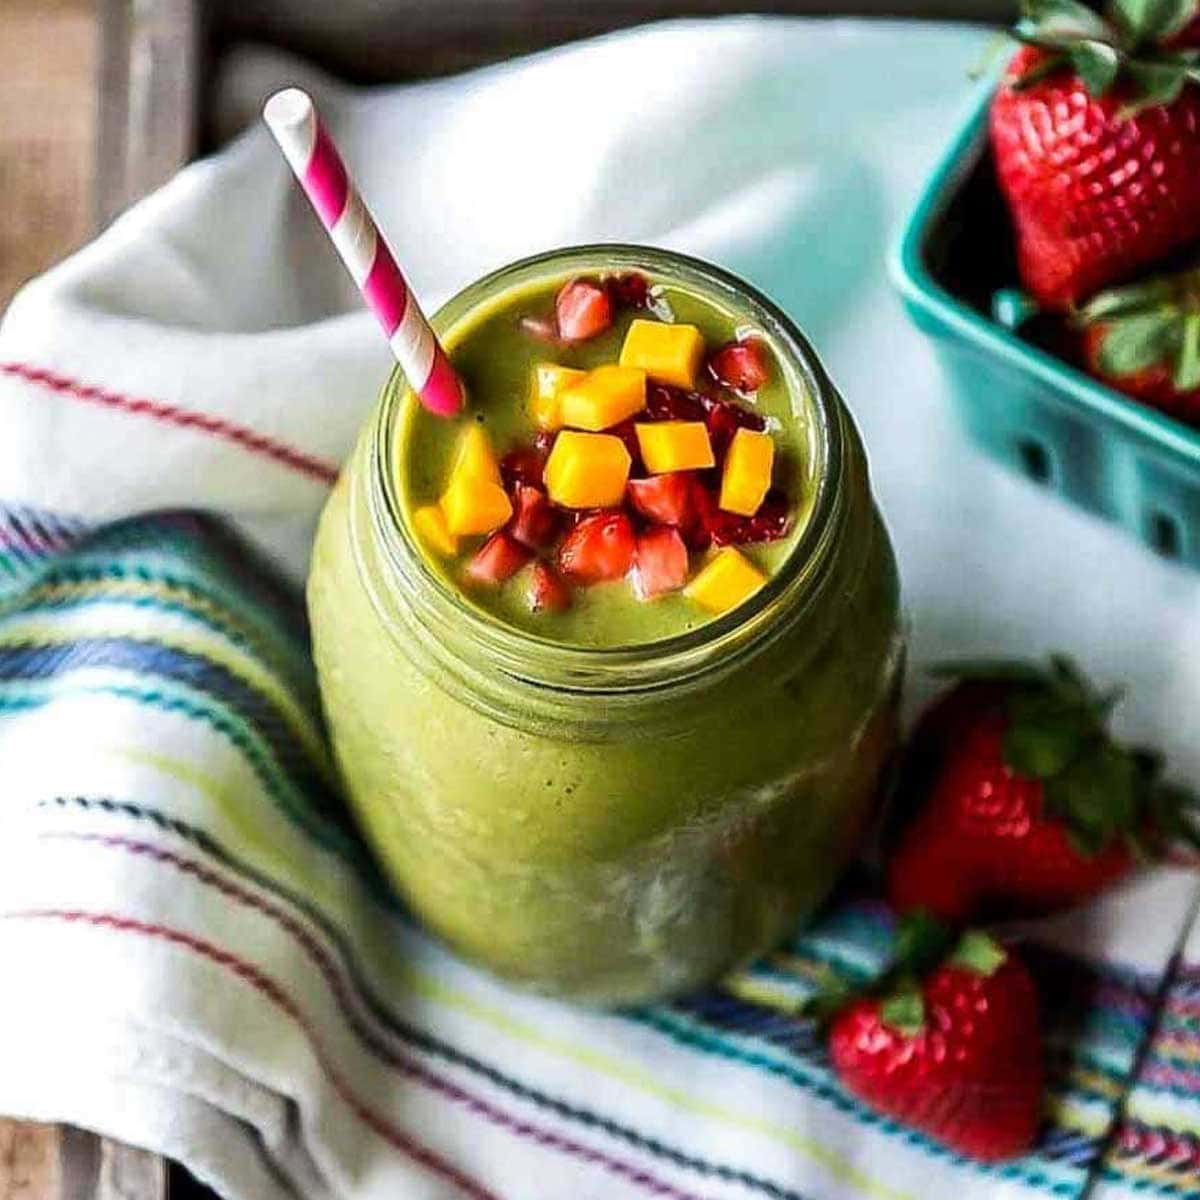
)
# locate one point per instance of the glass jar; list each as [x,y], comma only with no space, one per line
[626,823]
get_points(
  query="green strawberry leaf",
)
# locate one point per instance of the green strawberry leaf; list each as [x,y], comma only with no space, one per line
[921,943]
[1097,796]
[1138,341]
[979,952]
[1144,21]
[991,670]
[1061,20]
[1135,298]
[1096,63]
[1154,84]
[1045,733]
[1187,366]
[904,1010]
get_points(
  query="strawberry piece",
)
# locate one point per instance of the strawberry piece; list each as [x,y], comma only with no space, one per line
[535,521]
[665,403]
[955,1054]
[1099,186]
[498,559]
[660,564]
[544,329]
[713,526]
[630,290]
[600,548]
[1019,803]
[741,366]
[583,310]
[524,465]
[628,434]
[665,499]
[724,418]
[548,590]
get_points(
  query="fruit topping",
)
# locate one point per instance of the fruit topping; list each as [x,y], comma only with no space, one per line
[498,559]
[549,381]
[587,470]
[675,446]
[548,590]
[665,403]
[630,290]
[660,563]
[664,499]
[747,474]
[600,548]
[535,522]
[603,398]
[474,456]
[771,522]
[431,526]
[741,365]
[474,505]
[725,418]
[725,581]
[667,353]
[583,310]
[525,464]
[544,329]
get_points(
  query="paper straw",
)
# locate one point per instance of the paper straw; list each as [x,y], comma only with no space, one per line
[306,144]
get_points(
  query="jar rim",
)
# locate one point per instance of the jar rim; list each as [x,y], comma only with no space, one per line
[663,662]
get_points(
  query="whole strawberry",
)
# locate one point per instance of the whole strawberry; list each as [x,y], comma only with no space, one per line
[1019,802]
[1144,340]
[952,1050]
[1095,130]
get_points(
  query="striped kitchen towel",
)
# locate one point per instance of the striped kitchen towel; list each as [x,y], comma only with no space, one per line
[197,954]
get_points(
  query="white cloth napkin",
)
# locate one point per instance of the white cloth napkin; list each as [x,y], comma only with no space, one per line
[193,958]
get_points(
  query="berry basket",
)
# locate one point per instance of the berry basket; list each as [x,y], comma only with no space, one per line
[1020,402]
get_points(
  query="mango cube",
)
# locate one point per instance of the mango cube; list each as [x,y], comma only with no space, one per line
[603,398]
[431,526]
[667,353]
[473,505]
[549,382]
[475,458]
[587,470]
[725,581]
[674,446]
[747,474]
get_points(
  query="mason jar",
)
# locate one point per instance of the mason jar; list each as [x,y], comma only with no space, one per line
[624,823]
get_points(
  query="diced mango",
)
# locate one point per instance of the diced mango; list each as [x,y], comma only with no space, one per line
[472,505]
[587,470]
[549,381]
[747,474]
[433,530]
[667,353]
[725,581]
[475,458]
[674,446]
[603,398]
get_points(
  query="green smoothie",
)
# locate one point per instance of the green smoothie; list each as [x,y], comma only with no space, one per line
[497,358]
[613,799]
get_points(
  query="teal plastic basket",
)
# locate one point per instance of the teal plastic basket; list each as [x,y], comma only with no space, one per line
[1020,403]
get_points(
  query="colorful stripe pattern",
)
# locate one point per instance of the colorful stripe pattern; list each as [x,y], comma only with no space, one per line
[319,167]
[194,831]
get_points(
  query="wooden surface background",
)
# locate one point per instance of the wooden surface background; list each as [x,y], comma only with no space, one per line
[101,101]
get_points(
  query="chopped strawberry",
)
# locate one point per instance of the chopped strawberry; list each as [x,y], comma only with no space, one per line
[499,558]
[713,526]
[740,365]
[724,419]
[628,434]
[661,562]
[524,465]
[548,590]
[535,521]
[544,329]
[583,309]
[599,548]
[665,403]
[664,499]
[630,290]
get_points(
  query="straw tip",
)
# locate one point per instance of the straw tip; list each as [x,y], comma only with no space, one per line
[287,108]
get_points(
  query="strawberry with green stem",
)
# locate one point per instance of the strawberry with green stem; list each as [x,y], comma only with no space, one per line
[946,1041]
[1018,800]
[1144,340]
[1095,131]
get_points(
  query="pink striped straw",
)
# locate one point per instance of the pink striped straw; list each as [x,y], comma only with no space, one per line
[306,144]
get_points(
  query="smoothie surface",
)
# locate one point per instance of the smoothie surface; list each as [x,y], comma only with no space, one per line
[496,354]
